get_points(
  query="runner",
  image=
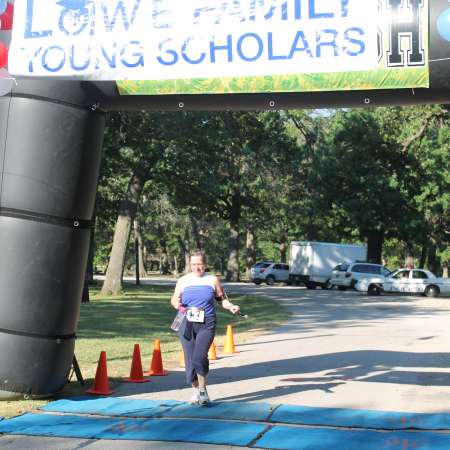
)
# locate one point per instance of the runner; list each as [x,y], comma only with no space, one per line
[194,295]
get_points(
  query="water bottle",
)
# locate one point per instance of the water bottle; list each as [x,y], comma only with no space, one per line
[176,324]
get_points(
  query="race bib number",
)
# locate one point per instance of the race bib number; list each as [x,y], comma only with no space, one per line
[195,315]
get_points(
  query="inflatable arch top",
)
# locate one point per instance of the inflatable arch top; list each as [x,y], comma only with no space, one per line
[230,54]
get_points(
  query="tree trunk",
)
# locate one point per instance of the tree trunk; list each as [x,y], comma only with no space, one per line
[113,280]
[140,247]
[409,261]
[250,250]
[90,262]
[283,246]
[423,255]
[445,270]
[145,256]
[187,256]
[164,259]
[195,233]
[127,211]
[185,248]
[433,263]
[85,294]
[136,261]
[223,265]
[375,240]
[89,276]
[233,258]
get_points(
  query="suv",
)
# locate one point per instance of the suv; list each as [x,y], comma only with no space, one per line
[270,272]
[346,275]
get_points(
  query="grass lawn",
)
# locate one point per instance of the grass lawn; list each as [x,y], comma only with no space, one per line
[140,315]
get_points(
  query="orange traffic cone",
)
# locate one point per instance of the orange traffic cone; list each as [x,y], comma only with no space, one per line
[156,368]
[212,352]
[101,386]
[136,374]
[181,360]
[229,342]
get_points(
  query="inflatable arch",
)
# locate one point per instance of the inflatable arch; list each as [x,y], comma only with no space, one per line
[59,66]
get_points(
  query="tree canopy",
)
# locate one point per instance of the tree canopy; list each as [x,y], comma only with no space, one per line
[243,185]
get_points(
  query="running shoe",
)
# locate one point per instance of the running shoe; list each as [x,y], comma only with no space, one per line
[203,397]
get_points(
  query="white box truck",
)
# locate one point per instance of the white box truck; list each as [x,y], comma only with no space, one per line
[311,263]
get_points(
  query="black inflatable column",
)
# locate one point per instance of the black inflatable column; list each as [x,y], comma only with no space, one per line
[51,137]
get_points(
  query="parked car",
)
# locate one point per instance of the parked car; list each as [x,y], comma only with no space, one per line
[411,281]
[346,275]
[270,272]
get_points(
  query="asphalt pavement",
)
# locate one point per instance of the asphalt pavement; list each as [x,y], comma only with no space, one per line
[339,349]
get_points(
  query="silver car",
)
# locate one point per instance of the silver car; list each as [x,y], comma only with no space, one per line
[270,272]
[346,275]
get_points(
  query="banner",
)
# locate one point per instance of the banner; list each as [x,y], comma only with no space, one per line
[224,46]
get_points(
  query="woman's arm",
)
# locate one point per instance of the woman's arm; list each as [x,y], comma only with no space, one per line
[220,297]
[175,301]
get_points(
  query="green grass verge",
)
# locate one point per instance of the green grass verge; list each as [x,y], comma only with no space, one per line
[140,315]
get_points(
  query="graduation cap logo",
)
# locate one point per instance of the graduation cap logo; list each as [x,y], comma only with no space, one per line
[75,5]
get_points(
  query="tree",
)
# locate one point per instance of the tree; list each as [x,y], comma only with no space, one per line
[140,139]
[222,166]
[433,198]
[361,178]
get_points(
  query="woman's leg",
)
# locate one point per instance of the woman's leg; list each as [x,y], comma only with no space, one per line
[196,360]
[201,381]
[204,336]
[188,350]
[191,376]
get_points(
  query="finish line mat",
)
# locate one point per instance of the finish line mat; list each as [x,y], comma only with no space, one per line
[178,430]
[221,432]
[282,437]
[154,408]
[255,412]
[112,406]
[355,418]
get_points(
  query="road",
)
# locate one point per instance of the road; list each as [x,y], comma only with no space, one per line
[339,349]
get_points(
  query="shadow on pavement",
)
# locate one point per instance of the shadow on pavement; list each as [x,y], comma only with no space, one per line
[376,366]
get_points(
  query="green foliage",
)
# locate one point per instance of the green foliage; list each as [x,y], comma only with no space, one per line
[296,175]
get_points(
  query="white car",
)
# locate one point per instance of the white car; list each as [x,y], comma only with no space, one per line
[346,275]
[269,272]
[410,281]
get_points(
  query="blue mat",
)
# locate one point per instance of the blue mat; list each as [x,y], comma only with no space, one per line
[255,412]
[299,415]
[220,432]
[384,420]
[282,437]
[168,408]
[52,425]
[111,406]
[184,430]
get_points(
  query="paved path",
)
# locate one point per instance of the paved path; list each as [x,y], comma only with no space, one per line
[339,349]
[56,443]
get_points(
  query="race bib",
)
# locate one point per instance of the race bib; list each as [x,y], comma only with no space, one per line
[195,315]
